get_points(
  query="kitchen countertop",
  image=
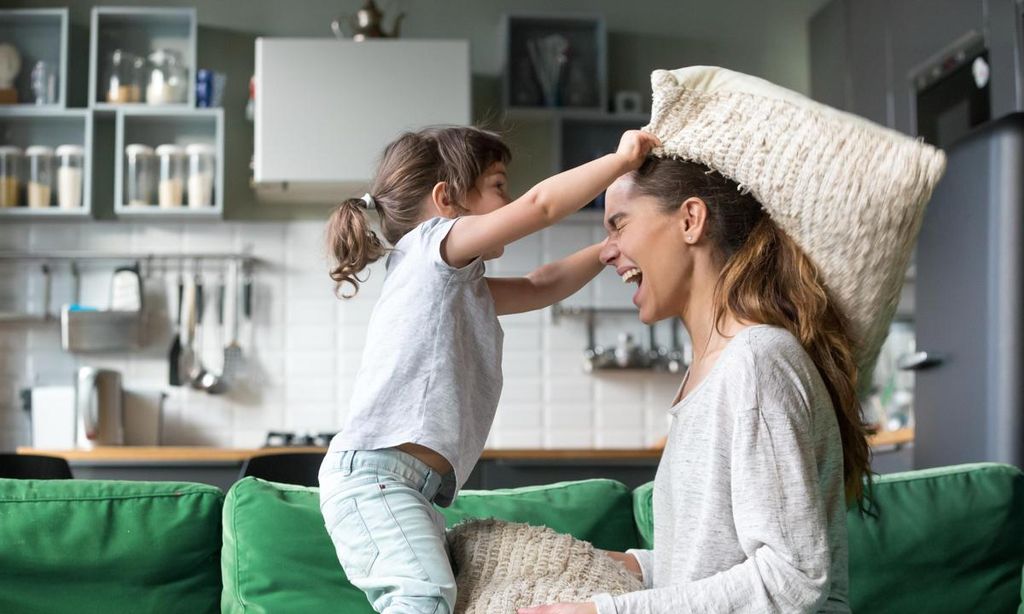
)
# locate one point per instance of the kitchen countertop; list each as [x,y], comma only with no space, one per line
[208,454]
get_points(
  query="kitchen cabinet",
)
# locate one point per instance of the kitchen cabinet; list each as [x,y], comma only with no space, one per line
[326,108]
[865,54]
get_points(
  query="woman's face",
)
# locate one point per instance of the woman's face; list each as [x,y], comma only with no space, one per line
[648,248]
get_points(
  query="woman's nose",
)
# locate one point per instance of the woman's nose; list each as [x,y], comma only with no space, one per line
[609,252]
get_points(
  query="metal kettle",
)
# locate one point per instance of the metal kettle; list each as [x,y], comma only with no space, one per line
[368,23]
[99,419]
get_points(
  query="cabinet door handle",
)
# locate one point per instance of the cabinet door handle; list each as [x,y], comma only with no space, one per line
[918,361]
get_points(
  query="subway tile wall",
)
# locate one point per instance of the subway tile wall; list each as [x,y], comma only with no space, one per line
[302,347]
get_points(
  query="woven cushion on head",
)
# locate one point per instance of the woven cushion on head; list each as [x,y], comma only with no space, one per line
[501,566]
[849,192]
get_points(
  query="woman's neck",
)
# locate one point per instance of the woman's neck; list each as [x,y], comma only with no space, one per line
[699,317]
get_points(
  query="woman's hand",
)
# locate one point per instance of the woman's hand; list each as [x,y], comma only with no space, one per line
[560,608]
[634,147]
[627,560]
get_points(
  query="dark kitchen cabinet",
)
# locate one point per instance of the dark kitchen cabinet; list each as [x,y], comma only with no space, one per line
[866,54]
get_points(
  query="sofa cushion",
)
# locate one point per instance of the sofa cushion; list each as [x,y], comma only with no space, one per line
[597,511]
[942,540]
[109,546]
[277,556]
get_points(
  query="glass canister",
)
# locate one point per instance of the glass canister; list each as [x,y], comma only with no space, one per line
[70,171]
[40,176]
[140,175]
[168,79]
[124,80]
[202,166]
[171,188]
[11,158]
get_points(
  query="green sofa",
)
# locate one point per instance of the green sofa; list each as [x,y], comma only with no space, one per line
[943,540]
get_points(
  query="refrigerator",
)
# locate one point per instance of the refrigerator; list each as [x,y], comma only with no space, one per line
[968,304]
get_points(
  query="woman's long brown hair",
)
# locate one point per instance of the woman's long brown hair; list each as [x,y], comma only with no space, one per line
[766,278]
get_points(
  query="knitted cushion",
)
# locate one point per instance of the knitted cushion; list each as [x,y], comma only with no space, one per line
[849,192]
[501,566]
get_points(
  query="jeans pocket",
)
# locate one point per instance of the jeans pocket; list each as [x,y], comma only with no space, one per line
[355,547]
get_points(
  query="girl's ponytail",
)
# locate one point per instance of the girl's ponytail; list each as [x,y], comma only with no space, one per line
[352,243]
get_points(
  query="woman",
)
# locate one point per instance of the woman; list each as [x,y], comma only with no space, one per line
[766,447]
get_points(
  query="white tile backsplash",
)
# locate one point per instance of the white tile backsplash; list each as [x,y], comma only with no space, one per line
[303,347]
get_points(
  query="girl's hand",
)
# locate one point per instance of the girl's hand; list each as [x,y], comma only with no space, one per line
[634,147]
[560,608]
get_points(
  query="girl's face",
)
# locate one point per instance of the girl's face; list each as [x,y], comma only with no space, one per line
[490,192]
[648,248]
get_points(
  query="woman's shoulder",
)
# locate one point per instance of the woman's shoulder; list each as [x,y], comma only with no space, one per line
[779,365]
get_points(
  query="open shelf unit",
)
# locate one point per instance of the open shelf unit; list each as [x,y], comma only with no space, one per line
[50,127]
[582,80]
[39,35]
[154,127]
[140,31]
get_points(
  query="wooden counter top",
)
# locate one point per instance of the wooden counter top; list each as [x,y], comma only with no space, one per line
[207,454]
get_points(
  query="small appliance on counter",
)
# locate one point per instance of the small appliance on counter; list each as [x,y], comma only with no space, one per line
[99,418]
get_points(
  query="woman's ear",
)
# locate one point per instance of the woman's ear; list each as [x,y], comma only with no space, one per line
[693,215]
[442,203]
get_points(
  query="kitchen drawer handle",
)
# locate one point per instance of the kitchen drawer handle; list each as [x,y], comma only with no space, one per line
[918,361]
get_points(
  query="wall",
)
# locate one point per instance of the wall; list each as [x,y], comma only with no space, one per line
[304,345]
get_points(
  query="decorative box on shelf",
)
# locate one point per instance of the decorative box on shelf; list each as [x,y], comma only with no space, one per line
[34,47]
[169,163]
[142,57]
[554,61]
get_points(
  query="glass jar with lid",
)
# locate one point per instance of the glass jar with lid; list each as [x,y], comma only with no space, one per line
[124,80]
[39,190]
[11,158]
[171,188]
[168,79]
[70,172]
[202,166]
[140,175]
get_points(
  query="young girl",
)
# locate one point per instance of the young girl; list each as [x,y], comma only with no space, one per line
[430,379]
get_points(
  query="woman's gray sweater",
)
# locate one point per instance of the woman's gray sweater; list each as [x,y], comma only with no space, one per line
[749,507]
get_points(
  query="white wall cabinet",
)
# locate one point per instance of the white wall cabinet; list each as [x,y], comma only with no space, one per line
[326,108]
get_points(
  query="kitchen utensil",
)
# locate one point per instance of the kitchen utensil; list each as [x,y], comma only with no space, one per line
[126,289]
[98,407]
[174,355]
[197,371]
[47,290]
[188,329]
[232,351]
[214,383]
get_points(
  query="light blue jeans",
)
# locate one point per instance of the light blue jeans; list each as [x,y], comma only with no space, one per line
[389,538]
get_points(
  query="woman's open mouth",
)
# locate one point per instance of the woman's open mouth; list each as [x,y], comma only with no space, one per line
[634,275]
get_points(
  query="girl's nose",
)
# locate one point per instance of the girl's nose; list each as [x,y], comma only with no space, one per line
[609,252]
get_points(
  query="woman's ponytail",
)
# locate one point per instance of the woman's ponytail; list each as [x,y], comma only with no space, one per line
[352,243]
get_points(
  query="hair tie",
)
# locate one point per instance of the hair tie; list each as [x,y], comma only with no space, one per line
[370,203]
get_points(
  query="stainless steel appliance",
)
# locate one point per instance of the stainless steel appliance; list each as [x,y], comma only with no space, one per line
[99,408]
[953,92]
[968,397]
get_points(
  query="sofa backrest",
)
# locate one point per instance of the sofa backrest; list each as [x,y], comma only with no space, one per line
[277,556]
[109,546]
[940,540]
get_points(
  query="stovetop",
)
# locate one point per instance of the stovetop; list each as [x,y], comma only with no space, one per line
[281,439]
